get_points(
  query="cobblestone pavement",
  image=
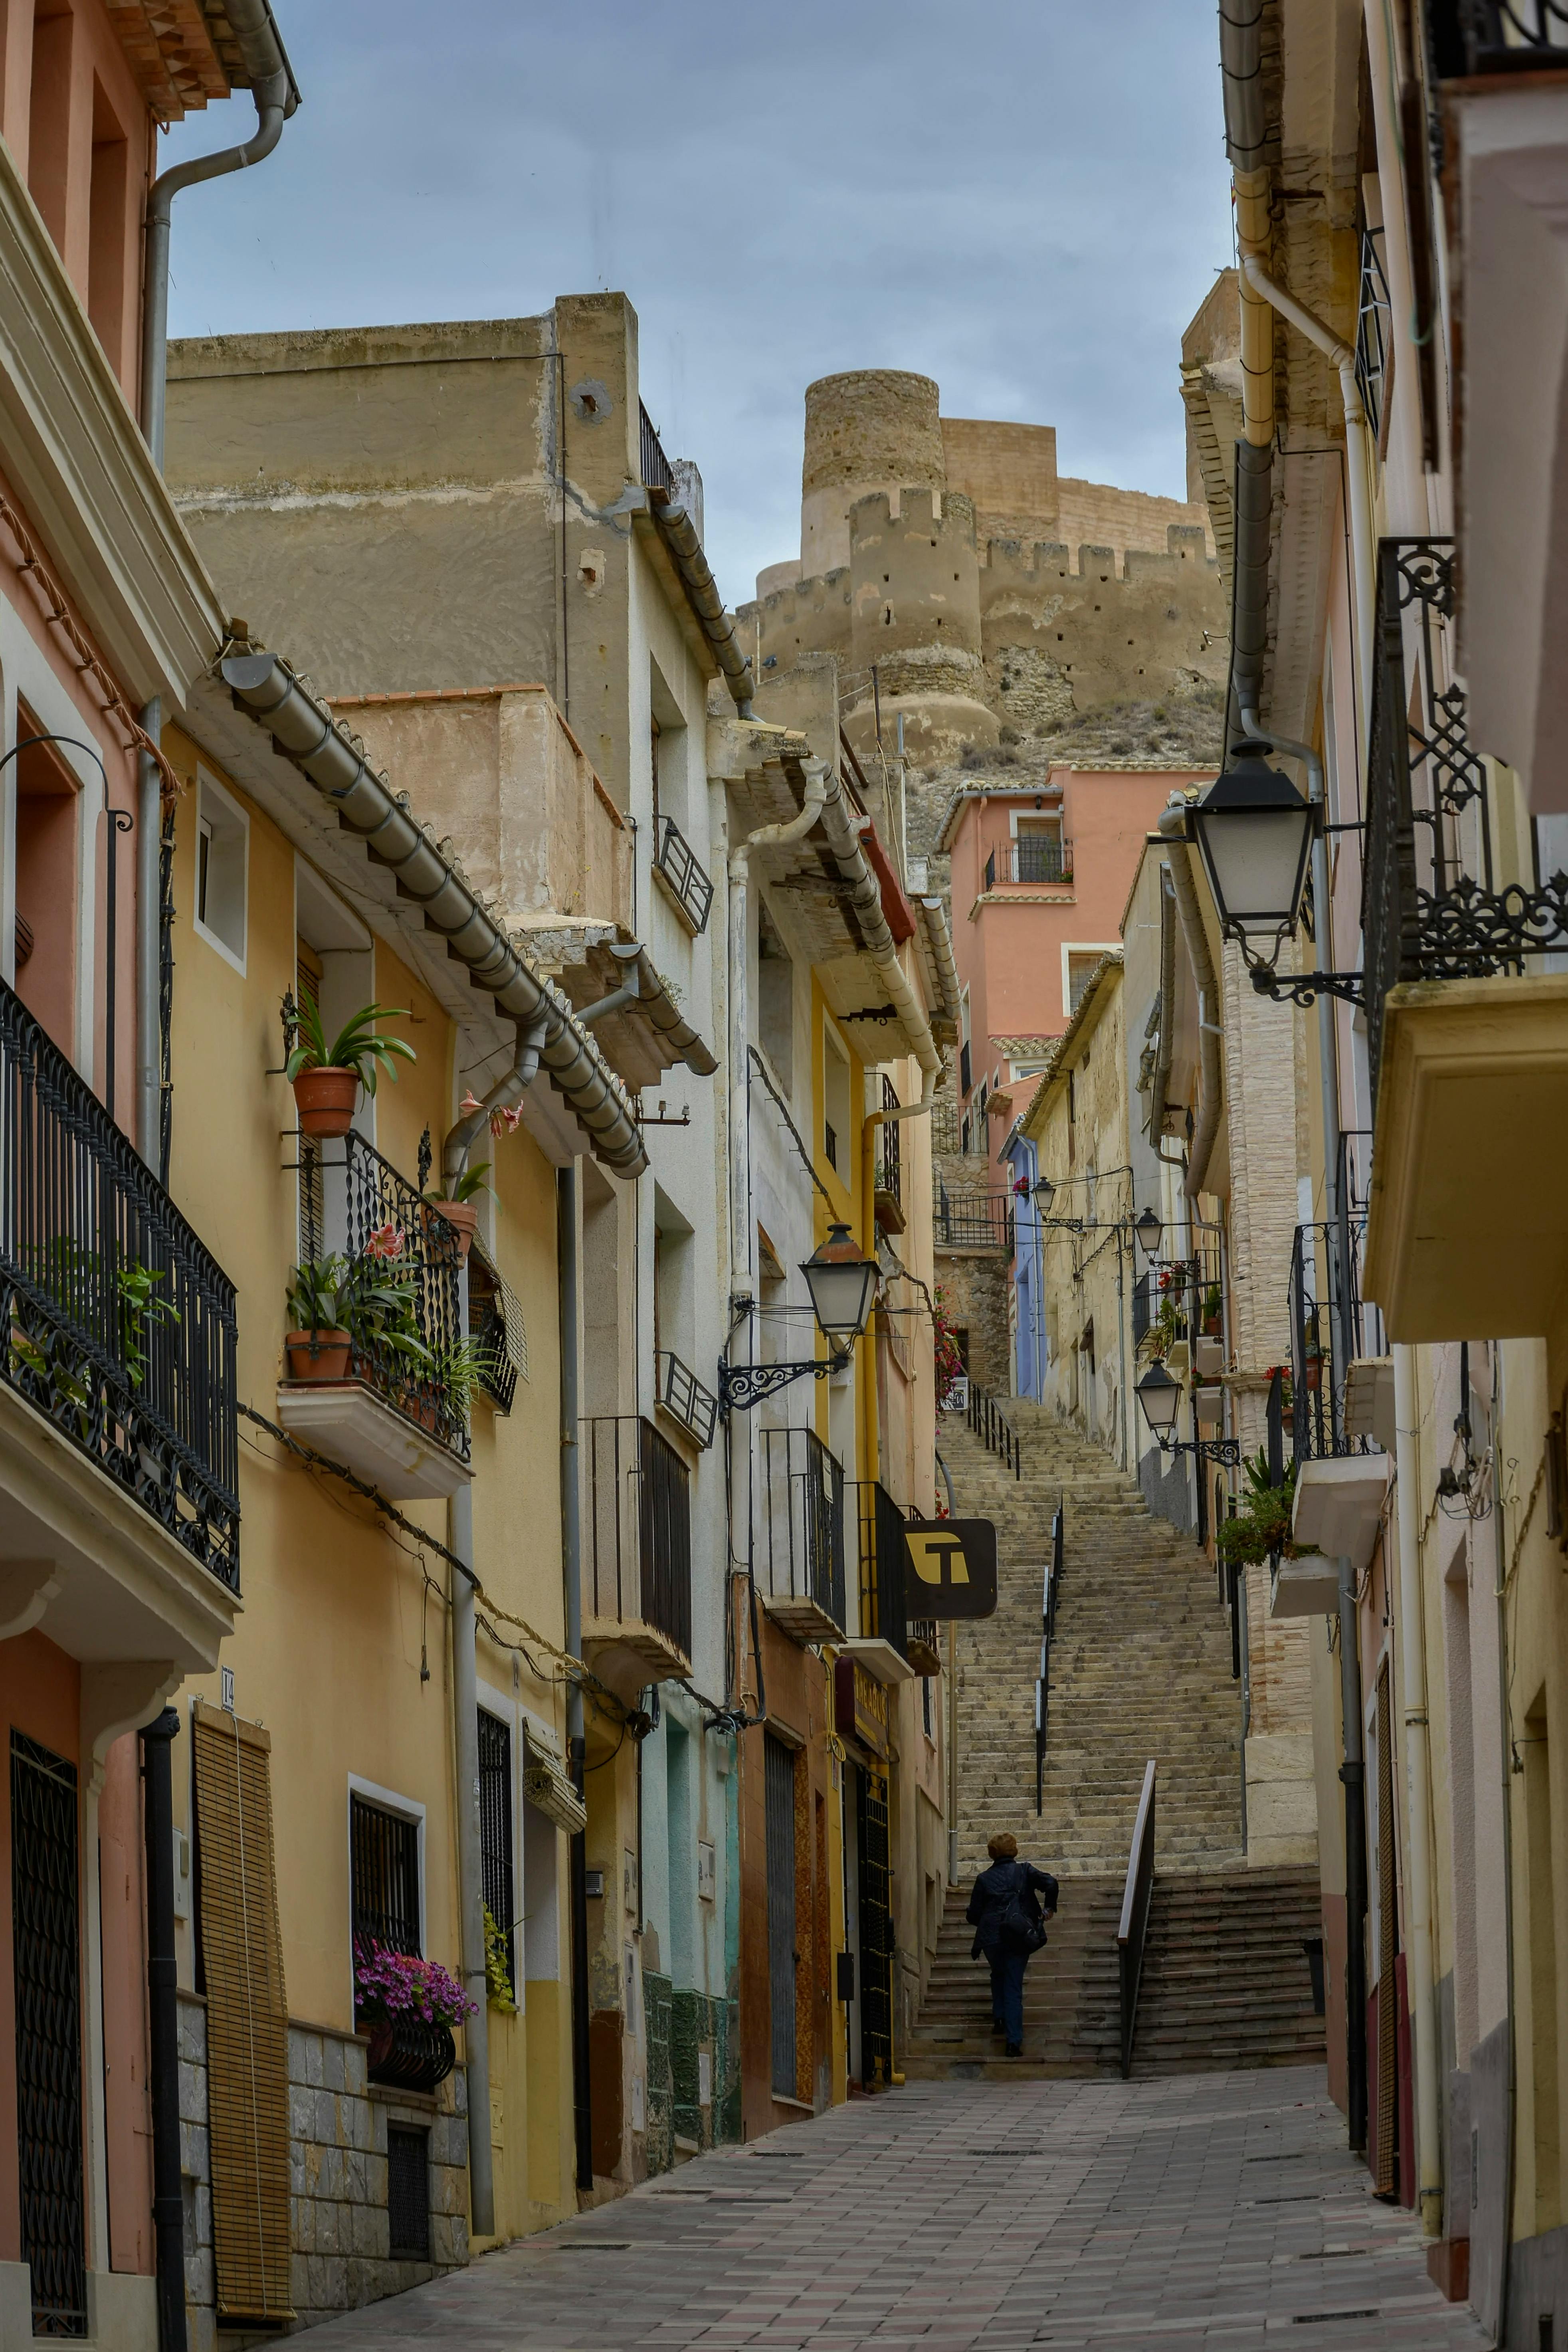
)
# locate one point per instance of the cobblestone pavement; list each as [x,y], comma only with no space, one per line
[1215,2209]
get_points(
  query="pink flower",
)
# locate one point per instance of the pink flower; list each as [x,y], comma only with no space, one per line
[469,1102]
[398,1984]
[505,1120]
[386,1242]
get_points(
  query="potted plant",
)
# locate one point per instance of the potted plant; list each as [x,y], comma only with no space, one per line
[326,1077]
[409,2007]
[1261,1528]
[461,1370]
[458,1203]
[318,1347]
[1213,1312]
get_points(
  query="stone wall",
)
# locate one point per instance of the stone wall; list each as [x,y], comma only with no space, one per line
[339,2245]
[683,2029]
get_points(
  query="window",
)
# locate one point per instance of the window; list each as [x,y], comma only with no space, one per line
[222,857]
[1078,967]
[383,1871]
[495,1835]
[407,2193]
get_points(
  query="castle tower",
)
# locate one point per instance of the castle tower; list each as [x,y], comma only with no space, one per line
[873,429]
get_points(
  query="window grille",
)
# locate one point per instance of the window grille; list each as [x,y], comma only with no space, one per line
[407,2193]
[384,1859]
[495,1835]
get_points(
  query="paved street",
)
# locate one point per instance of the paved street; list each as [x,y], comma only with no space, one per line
[1200,2210]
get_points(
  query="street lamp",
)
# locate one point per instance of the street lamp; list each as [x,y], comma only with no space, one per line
[1147,1231]
[1254,832]
[1045,1194]
[1160,1398]
[842,1281]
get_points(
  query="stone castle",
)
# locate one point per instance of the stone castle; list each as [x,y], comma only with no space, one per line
[960,584]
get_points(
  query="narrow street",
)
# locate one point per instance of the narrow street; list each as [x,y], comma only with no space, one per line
[1201,2210]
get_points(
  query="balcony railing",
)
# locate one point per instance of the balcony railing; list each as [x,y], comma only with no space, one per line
[1488,37]
[122,1327]
[800,1526]
[1373,324]
[636,1527]
[675,863]
[1330,1327]
[353,1201]
[880,1527]
[974,1220]
[889,1179]
[1032,858]
[657,472]
[1431,907]
[684,1398]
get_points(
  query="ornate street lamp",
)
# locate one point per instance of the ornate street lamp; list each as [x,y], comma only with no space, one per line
[1045,1194]
[1254,832]
[1160,1399]
[1147,1231]
[842,1281]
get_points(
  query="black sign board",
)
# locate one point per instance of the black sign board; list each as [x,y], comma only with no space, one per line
[950,1568]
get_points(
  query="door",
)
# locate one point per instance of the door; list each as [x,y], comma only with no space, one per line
[782,1954]
[43,1899]
[876,1933]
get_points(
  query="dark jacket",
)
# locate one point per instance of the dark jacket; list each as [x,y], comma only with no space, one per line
[993,1891]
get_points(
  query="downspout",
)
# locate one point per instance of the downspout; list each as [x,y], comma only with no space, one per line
[1497,2321]
[273,89]
[1418,1788]
[576,1739]
[1245,140]
[163,2030]
[1352,1773]
[466,1698]
[1172,824]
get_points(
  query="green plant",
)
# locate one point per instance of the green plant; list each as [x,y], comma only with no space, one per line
[463,1367]
[1214,1306]
[470,1184]
[376,1310]
[1262,1526]
[359,1044]
[73,1277]
[498,1969]
[317,1291]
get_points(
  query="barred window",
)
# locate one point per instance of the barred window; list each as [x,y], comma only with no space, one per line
[384,1856]
[495,1833]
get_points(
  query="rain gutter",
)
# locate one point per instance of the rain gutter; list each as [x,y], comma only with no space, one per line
[684,544]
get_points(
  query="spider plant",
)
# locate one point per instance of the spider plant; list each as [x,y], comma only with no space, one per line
[360,1045]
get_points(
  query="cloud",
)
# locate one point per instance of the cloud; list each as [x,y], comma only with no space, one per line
[1026,200]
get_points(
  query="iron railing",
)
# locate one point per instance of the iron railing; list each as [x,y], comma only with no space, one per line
[889,1158]
[121,1324]
[881,1525]
[974,1220]
[658,473]
[353,1201]
[1327,1333]
[1132,1929]
[1032,858]
[1431,907]
[800,1526]
[1048,1636]
[637,1527]
[993,1428]
[1374,330]
[1488,37]
[676,864]
[684,1398]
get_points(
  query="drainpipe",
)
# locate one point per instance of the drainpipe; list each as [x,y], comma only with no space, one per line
[164,2029]
[466,1698]
[1418,1788]
[1172,824]
[276,96]
[576,1742]
[1352,1773]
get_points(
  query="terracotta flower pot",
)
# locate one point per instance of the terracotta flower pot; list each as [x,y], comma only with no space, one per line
[463,1217]
[317,1355]
[324,1100]
[1213,1327]
[1314,1374]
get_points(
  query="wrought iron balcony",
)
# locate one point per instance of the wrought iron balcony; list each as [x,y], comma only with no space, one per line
[637,1541]
[1488,37]
[1329,1329]
[974,1220]
[888,1186]
[122,1325]
[355,1203]
[880,1526]
[675,863]
[1032,858]
[682,1395]
[1431,905]
[800,1535]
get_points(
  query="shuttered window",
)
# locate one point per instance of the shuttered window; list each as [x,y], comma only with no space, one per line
[248,2017]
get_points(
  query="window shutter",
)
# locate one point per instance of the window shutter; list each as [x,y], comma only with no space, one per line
[248,2016]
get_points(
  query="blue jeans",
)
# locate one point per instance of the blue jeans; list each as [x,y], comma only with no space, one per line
[1008,1965]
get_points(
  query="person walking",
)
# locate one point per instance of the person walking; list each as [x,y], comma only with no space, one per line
[1004,1912]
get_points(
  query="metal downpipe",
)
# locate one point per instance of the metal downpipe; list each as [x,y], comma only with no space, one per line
[1418,1790]
[149,944]
[576,1741]
[470,1864]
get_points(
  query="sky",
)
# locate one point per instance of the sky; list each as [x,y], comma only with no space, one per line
[1026,199]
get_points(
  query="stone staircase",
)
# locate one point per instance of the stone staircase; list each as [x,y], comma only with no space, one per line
[1139,1668]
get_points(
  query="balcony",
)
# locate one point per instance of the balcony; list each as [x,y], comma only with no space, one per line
[1330,1330]
[119,1470]
[637,1553]
[888,1184]
[398,1416]
[658,473]
[974,1220]
[685,884]
[1466,1033]
[800,1536]
[680,1394]
[882,1646]
[1032,857]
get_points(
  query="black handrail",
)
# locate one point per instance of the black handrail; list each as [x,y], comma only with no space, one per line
[1133,1931]
[1047,1634]
[657,472]
[994,1432]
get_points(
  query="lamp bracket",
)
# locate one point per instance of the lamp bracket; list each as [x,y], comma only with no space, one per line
[1226,1451]
[741,1386]
[1305,988]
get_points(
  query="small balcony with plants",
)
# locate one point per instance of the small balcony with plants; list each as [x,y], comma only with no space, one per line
[635,1506]
[380,1372]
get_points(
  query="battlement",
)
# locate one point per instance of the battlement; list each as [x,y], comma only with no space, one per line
[1008,562]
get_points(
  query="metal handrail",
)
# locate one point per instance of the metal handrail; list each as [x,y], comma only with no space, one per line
[1132,1930]
[1047,1634]
[974,1220]
[994,1431]
[657,474]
